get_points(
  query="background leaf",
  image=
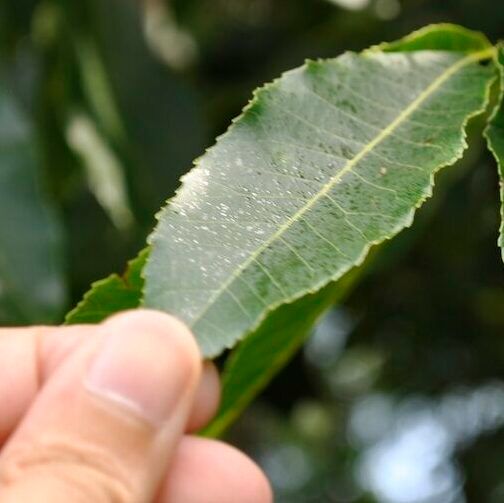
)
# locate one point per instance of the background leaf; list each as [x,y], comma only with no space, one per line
[32,287]
[495,137]
[326,161]
[439,37]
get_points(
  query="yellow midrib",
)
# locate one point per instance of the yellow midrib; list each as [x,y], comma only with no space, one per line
[412,107]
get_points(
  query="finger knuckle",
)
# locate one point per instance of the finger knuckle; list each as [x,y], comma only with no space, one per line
[88,473]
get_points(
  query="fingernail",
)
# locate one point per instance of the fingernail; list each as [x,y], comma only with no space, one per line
[141,369]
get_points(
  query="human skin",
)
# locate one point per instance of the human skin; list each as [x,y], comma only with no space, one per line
[104,414]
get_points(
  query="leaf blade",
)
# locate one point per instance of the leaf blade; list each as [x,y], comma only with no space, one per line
[495,138]
[229,311]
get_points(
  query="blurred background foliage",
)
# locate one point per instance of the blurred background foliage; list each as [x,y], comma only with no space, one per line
[399,395]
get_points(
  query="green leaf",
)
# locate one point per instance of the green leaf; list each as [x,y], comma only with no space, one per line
[439,37]
[32,287]
[111,295]
[495,138]
[270,346]
[326,161]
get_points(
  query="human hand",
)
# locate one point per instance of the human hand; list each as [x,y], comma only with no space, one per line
[100,414]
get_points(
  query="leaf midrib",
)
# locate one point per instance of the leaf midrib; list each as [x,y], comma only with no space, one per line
[384,134]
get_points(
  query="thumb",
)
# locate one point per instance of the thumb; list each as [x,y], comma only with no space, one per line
[106,424]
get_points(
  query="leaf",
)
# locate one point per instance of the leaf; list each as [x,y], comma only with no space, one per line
[32,286]
[495,138]
[439,37]
[267,349]
[111,295]
[326,161]
[264,352]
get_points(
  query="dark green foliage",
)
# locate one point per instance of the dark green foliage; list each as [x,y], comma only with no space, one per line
[495,136]
[31,261]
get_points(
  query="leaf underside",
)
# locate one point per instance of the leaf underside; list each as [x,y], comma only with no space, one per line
[495,137]
[324,162]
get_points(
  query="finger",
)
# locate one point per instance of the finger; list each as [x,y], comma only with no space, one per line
[213,472]
[206,400]
[108,420]
[19,382]
[25,365]
[42,349]
[57,344]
